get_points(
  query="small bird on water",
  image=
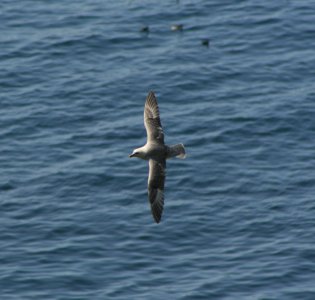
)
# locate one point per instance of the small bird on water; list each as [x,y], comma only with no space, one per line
[205,42]
[177,27]
[156,152]
[145,29]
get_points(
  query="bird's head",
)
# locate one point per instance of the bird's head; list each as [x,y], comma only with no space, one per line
[137,153]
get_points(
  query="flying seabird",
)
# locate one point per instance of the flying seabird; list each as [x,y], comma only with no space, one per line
[156,152]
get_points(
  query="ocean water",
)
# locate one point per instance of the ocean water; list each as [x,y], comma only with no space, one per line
[239,217]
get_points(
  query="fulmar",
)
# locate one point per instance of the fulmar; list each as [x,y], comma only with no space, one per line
[156,152]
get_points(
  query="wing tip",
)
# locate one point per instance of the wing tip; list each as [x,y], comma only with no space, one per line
[157,212]
[157,219]
[151,93]
[157,206]
[151,98]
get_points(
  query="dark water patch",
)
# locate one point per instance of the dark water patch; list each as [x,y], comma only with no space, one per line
[7,186]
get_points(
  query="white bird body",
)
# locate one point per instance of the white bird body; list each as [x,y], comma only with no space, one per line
[150,151]
[157,153]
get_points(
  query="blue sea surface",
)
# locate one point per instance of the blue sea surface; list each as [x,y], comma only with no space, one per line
[239,217]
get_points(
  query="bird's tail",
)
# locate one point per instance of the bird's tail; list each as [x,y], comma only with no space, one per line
[177,150]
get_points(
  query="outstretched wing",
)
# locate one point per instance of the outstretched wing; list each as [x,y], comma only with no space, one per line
[156,188]
[152,120]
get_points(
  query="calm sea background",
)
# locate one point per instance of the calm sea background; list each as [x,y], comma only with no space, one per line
[239,218]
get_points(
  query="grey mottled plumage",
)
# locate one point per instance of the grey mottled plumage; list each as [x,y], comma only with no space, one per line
[156,152]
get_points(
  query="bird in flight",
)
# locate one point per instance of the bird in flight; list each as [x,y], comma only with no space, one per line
[156,152]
